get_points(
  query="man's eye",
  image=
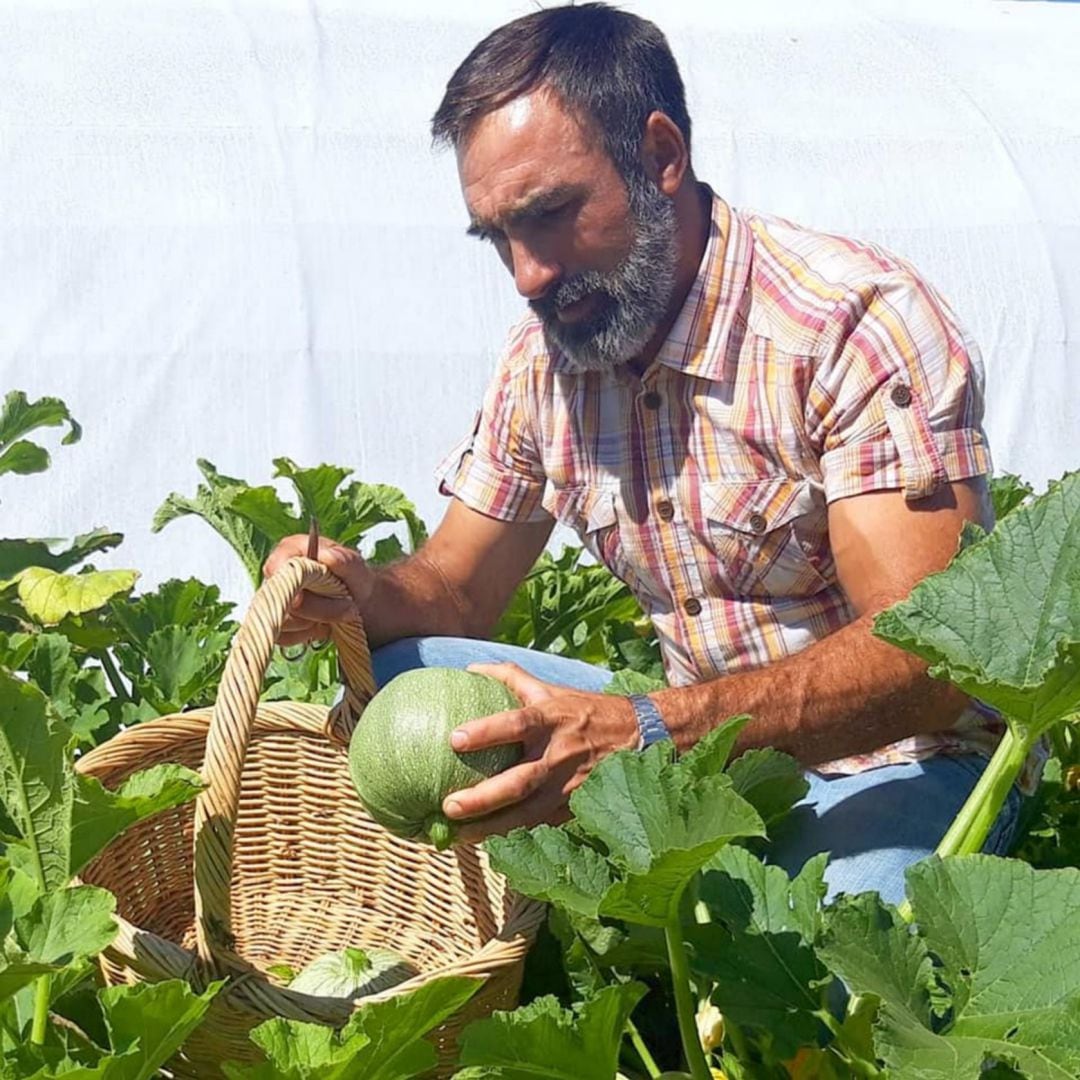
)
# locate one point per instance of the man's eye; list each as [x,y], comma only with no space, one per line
[553,214]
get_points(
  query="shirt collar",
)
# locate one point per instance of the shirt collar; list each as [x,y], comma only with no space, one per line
[697,342]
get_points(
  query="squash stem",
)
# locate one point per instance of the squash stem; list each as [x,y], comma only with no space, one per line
[41,1010]
[684,1002]
[973,823]
[642,1050]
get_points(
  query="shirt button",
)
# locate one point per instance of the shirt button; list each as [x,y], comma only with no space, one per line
[665,510]
[651,400]
[901,395]
[758,524]
[692,605]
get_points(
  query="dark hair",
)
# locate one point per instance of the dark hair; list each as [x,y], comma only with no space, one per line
[611,68]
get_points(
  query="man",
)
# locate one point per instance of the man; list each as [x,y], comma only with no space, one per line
[769,434]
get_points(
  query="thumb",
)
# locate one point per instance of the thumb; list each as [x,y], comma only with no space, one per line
[518,681]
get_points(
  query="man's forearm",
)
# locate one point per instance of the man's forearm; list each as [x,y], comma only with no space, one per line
[414,598]
[847,694]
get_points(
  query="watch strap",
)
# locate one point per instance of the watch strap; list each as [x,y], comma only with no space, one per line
[651,726]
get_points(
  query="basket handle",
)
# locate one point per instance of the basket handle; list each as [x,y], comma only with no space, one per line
[230,732]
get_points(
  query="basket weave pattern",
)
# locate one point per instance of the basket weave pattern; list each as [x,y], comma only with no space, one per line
[278,863]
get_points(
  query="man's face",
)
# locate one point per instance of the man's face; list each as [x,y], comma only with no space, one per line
[593,254]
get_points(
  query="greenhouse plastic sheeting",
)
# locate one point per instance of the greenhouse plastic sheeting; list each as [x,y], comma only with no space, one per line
[224,233]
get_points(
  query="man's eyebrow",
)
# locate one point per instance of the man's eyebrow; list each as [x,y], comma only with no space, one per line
[530,206]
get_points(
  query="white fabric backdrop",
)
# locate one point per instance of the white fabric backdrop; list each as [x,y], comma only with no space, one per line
[223,232]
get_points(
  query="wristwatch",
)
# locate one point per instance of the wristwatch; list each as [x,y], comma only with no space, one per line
[651,726]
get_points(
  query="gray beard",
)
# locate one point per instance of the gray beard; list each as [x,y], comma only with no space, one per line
[633,298]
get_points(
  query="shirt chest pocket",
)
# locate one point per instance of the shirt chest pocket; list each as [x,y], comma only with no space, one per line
[770,535]
[593,514]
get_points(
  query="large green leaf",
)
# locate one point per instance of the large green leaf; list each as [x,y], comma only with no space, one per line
[191,604]
[78,695]
[382,1041]
[875,952]
[551,864]
[1003,620]
[146,1026]
[745,894]
[63,819]
[544,1041]
[767,982]
[1008,956]
[758,953]
[37,789]
[67,925]
[253,519]
[49,597]
[213,503]
[100,815]
[347,514]
[658,821]
[173,643]
[19,416]
[16,555]
[771,781]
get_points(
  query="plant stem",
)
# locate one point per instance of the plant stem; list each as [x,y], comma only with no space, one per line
[969,831]
[41,1010]
[684,1001]
[117,684]
[642,1050]
[973,823]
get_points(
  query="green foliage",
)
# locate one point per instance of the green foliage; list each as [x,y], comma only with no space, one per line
[253,519]
[572,608]
[1007,492]
[1003,621]
[53,821]
[49,598]
[145,1026]
[543,1040]
[969,990]
[172,644]
[644,825]
[383,1040]
[19,417]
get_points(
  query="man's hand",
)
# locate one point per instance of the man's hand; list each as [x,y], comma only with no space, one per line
[564,733]
[312,616]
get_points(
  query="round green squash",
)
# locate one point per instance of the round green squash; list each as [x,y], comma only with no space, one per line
[400,757]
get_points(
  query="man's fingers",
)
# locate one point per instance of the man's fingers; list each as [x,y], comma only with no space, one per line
[535,811]
[495,730]
[516,679]
[499,791]
[321,609]
[312,632]
[288,548]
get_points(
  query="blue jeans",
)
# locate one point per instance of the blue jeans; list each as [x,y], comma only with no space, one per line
[874,825]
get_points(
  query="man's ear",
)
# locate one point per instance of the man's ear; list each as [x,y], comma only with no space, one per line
[664,153]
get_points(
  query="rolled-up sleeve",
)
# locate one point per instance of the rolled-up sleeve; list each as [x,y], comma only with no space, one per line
[497,469]
[898,403]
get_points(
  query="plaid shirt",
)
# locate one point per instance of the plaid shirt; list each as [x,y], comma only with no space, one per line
[803,368]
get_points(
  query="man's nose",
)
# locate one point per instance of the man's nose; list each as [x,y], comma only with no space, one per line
[533,276]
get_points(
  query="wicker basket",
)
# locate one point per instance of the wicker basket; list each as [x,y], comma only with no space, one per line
[278,863]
